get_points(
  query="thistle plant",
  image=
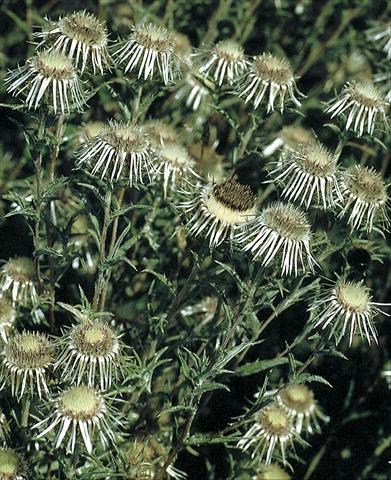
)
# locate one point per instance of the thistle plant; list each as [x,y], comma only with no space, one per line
[194,248]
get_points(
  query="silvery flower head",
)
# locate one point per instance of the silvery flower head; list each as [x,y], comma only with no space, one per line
[89,352]
[82,37]
[381,34]
[299,401]
[269,77]
[149,52]
[19,281]
[365,198]
[47,78]
[364,106]
[281,230]
[225,62]
[7,317]
[271,433]
[25,361]
[175,164]
[80,414]
[121,150]
[346,308]
[219,210]
[309,174]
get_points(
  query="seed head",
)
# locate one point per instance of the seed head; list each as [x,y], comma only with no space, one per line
[364,105]
[220,210]
[82,37]
[269,74]
[365,198]
[48,77]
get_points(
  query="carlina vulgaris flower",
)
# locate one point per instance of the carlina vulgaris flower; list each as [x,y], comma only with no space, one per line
[175,164]
[272,431]
[182,48]
[224,62]
[280,229]
[363,104]
[48,77]
[12,467]
[25,360]
[289,137]
[269,77]
[150,48]
[346,308]
[271,471]
[160,132]
[19,281]
[219,210]
[81,240]
[382,35]
[209,162]
[365,198]
[82,37]
[7,318]
[299,401]
[308,172]
[121,150]
[80,410]
[195,89]
[89,353]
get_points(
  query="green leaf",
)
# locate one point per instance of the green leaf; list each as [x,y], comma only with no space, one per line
[260,366]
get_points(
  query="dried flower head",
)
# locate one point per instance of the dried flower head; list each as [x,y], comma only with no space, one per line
[224,61]
[175,164]
[19,281]
[80,410]
[363,103]
[148,49]
[346,307]
[280,229]
[299,402]
[50,77]
[365,198]
[220,210]
[25,361]
[7,317]
[269,77]
[82,37]
[160,133]
[11,465]
[271,472]
[309,170]
[120,147]
[382,35]
[89,352]
[272,430]
[289,137]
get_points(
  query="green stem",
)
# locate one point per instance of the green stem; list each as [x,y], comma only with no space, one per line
[102,250]
[25,412]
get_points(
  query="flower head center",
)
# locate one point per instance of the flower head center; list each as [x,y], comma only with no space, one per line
[287,221]
[316,159]
[55,65]
[9,463]
[176,155]
[29,351]
[229,50]
[83,27]
[130,139]
[234,195]
[21,269]
[294,135]
[353,296]
[275,420]
[93,339]
[80,402]
[273,69]
[297,397]
[365,93]
[153,37]
[368,185]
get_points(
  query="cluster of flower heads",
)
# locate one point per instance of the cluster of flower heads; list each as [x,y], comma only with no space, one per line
[88,356]
[276,428]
